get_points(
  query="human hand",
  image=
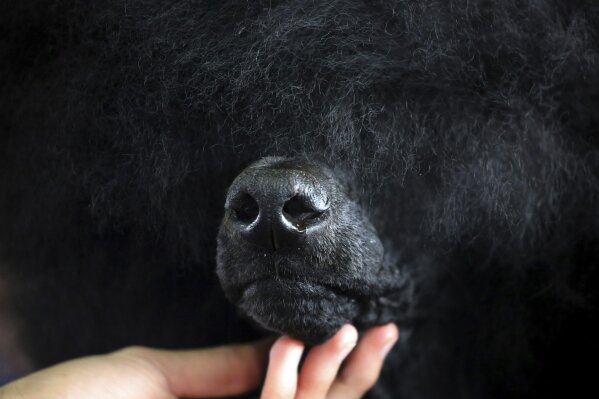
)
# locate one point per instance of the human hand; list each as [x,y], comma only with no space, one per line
[319,377]
[137,372]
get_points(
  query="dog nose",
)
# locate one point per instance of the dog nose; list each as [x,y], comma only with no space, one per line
[276,206]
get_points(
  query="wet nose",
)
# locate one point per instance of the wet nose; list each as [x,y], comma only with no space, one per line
[277,207]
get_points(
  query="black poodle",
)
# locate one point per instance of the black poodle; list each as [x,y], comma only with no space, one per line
[189,173]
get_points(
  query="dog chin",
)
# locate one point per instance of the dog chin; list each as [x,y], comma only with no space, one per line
[306,311]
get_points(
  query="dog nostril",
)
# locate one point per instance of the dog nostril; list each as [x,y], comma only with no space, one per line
[299,210]
[278,205]
[245,209]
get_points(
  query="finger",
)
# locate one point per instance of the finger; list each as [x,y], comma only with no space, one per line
[363,366]
[213,372]
[281,377]
[322,364]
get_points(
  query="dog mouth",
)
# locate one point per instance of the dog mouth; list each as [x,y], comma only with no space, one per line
[285,287]
[287,293]
[302,309]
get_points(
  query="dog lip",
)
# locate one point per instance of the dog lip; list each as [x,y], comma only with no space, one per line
[335,289]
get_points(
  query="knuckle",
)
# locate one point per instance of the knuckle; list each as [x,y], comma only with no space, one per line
[364,381]
[133,352]
[236,359]
[137,355]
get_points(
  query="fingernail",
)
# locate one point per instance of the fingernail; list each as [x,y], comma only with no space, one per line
[390,342]
[288,348]
[347,348]
[387,348]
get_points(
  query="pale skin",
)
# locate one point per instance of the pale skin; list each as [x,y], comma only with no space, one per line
[344,367]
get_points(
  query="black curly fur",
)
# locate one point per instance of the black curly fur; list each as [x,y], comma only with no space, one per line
[467,130]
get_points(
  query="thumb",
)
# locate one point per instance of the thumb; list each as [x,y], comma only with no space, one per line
[213,372]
